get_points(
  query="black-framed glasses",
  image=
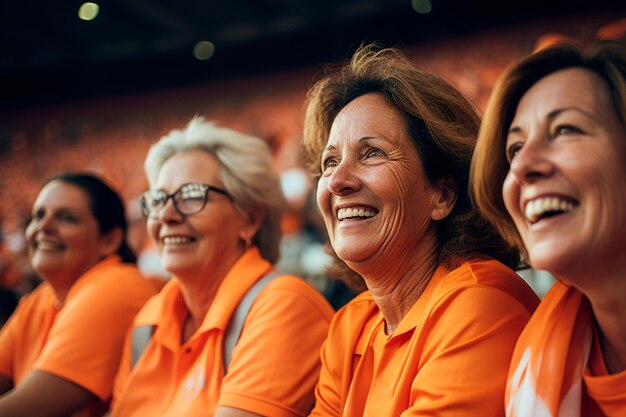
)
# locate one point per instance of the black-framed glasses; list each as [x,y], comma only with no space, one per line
[188,199]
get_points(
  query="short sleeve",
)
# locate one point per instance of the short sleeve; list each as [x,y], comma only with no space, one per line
[275,364]
[85,344]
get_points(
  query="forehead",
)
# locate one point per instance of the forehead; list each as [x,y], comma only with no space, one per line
[189,166]
[59,194]
[571,87]
[371,114]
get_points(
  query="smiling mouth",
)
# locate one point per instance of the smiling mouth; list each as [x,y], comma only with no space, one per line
[177,240]
[542,208]
[356,213]
[48,246]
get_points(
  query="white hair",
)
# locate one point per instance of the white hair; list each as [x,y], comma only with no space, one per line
[246,173]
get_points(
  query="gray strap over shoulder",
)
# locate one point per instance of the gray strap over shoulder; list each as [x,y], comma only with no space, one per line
[235,326]
[140,337]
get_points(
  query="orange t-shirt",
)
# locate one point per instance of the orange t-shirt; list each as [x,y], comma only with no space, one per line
[274,366]
[449,355]
[82,340]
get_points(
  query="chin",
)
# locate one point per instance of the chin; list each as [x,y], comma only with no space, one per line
[45,271]
[555,262]
[178,270]
[350,253]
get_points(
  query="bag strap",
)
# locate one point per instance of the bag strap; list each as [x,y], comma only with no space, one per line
[235,326]
[141,335]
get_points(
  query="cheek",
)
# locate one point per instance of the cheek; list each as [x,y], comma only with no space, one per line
[80,241]
[323,197]
[29,233]
[152,228]
[510,195]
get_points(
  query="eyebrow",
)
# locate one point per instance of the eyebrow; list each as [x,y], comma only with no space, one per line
[552,115]
[329,148]
[363,139]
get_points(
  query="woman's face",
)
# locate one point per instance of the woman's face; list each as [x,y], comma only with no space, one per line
[566,188]
[197,244]
[373,194]
[63,236]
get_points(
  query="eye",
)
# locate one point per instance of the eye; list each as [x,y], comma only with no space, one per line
[38,215]
[154,199]
[329,162]
[562,130]
[374,152]
[67,217]
[192,192]
[512,150]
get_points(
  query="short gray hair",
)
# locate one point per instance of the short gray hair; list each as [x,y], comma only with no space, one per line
[246,173]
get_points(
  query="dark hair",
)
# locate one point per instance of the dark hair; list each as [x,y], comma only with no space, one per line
[607,59]
[442,124]
[106,206]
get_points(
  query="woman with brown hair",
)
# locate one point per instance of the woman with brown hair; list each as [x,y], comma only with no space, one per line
[549,173]
[391,148]
[60,349]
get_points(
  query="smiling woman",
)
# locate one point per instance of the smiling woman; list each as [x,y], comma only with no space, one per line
[391,147]
[55,359]
[549,172]
[214,212]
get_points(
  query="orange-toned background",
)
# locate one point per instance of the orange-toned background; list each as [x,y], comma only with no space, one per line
[111,135]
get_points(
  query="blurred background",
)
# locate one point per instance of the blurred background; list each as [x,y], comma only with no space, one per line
[90,86]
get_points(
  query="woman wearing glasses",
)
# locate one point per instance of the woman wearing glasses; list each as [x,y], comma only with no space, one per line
[60,349]
[214,212]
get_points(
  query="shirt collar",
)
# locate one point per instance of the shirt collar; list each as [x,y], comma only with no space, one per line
[170,313]
[416,313]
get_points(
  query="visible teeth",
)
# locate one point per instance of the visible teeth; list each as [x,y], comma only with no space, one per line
[48,246]
[537,208]
[348,213]
[176,240]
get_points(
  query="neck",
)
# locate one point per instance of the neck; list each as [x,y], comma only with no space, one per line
[61,293]
[62,284]
[199,291]
[397,287]
[609,313]
[198,307]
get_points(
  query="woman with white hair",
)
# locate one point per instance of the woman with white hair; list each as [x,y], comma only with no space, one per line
[214,211]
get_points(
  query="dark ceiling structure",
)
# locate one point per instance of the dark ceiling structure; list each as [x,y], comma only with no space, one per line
[49,55]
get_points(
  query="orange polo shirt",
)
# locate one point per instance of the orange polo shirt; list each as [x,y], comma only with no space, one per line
[82,340]
[274,366]
[449,355]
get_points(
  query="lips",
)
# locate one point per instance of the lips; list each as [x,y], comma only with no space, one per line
[356,213]
[48,245]
[543,207]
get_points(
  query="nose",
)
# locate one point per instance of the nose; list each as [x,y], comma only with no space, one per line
[45,223]
[532,162]
[344,179]
[168,213]
[41,225]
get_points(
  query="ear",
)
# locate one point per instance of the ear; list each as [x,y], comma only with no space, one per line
[445,198]
[251,223]
[111,241]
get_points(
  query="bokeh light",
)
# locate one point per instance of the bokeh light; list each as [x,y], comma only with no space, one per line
[203,50]
[88,11]
[422,6]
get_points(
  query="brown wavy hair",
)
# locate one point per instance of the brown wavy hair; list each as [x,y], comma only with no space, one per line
[442,124]
[489,165]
